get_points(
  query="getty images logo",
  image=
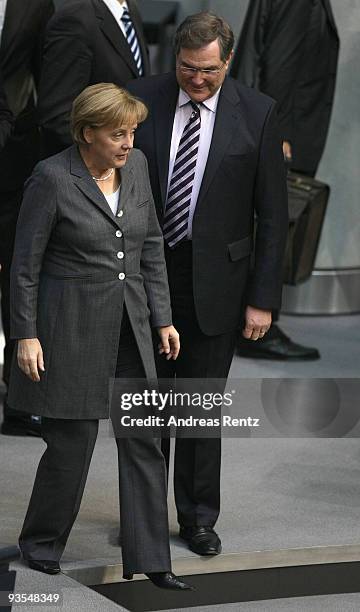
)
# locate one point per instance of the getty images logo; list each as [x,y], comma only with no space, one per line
[152,398]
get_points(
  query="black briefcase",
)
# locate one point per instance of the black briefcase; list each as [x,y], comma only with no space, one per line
[308,200]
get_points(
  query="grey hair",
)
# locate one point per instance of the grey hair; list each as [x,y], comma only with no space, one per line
[201,29]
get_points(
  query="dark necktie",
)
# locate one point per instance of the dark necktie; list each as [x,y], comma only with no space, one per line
[177,208]
[132,40]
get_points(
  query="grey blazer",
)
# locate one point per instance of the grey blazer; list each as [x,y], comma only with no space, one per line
[75,265]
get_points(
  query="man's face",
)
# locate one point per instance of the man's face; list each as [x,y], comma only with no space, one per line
[197,84]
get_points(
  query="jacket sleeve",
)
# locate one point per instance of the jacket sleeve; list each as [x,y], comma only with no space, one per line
[270,50]
[35,224]
[6,117]
[44,14]
[271,207]
[245,64]
[284,34]
[153,267]
[66,71]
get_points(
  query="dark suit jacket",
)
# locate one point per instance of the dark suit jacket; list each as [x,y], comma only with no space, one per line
[20,59]
[84,45]
[66,289]
[6,116]
[244,173]
[289,50]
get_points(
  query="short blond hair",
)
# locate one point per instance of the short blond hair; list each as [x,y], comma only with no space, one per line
[104,104]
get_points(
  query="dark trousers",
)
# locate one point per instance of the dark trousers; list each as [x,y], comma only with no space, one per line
[197,461]
[61,478]
[9,211]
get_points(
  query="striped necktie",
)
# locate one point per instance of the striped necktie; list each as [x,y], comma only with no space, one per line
[177,208]
[132,40]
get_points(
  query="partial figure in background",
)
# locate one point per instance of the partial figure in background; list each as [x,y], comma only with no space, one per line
[289,50]
[22,26]
[87,42]
[6,116]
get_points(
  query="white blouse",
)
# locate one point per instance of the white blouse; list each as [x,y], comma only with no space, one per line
[113,199]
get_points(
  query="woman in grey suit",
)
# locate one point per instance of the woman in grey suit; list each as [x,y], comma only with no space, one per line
[88,278]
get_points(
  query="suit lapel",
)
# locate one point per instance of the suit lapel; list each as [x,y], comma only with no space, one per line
[88,187]
[127,183]
[163,121]
[226,122]
[15,14]
[113,33]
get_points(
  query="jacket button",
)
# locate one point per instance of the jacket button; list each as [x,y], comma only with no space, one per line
[121,276]
[120,255]
[118,234]
[120,213]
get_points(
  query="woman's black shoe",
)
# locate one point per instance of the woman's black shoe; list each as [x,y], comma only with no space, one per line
[165,580]
[48,567]
[168,580]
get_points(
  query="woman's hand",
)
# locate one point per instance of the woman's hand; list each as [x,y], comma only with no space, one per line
[30,358]
[170,343]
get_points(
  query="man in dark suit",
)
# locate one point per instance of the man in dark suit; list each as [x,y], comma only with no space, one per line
[289,51]
[215,158]
[87,42]
[21,26]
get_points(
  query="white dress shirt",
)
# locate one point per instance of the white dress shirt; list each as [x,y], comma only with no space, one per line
[117,10]
[182,116]
[2,15]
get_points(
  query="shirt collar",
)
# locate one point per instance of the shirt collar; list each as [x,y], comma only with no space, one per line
[210,103]
[116,8]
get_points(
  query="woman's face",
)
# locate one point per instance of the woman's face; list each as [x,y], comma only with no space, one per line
[109,146]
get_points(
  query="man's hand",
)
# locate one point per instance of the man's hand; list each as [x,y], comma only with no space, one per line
[30,358]
[170,343]
[287,151]
[257,323]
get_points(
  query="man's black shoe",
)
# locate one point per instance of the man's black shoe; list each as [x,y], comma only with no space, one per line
[275,345]
[47,567]
[30,426]
[201,540]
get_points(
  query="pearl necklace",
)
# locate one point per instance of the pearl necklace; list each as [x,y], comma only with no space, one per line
[105,177]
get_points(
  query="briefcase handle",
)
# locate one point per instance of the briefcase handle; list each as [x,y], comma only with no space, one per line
[298,182]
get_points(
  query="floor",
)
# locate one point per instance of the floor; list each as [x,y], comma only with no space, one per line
[278,491]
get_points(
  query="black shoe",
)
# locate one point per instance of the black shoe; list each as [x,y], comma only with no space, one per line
[168,580]
[24,426]
[201,540]
[48,567]
[165,580]
[275,345]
